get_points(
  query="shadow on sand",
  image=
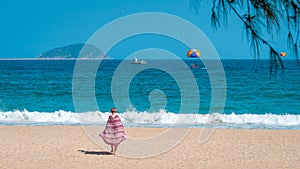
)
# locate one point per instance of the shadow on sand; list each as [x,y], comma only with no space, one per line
[95,152]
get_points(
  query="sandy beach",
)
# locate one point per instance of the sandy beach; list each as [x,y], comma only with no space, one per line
[70,147]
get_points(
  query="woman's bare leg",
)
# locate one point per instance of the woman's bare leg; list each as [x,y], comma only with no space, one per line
[111,149]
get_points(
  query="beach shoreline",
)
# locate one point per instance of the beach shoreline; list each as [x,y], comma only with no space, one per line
[71,147]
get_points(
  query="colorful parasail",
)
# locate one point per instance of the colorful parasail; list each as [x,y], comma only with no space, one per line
[193,53]
[283,54]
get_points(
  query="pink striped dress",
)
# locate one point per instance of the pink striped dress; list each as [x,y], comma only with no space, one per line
[114,132]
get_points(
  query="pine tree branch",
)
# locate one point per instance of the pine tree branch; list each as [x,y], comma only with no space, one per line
[250,28]
[275,57]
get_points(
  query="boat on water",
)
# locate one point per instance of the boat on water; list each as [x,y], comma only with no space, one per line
[195,65]
[136,61]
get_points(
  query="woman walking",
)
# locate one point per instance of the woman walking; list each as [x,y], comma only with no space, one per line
[114,132]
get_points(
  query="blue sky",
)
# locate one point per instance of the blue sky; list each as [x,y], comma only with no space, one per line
[31,27]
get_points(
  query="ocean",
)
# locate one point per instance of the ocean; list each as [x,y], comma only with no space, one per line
[51,92]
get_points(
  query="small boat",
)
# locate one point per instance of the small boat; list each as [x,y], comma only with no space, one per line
[194,65]
[136,61]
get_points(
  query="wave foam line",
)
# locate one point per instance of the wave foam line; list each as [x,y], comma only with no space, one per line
[142,118]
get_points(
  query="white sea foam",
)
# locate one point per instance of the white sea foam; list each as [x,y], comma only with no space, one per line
[158,119]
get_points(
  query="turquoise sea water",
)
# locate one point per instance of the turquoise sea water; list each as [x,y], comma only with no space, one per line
[41,92]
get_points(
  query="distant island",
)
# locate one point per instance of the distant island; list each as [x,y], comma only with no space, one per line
[72,52]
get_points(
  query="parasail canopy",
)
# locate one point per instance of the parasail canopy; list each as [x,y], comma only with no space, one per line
[283,54]
[193,53]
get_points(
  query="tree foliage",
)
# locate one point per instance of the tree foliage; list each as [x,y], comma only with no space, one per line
[259,17]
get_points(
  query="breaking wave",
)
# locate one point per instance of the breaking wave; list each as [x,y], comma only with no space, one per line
[161,118]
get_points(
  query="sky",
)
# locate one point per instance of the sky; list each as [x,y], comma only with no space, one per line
[31,27]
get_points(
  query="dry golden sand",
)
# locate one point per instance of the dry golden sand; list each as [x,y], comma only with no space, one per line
[70,147]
